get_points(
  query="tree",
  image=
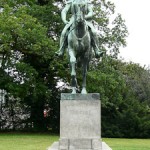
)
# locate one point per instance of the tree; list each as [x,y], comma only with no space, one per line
[27,57]
[138,85]
[29,68]
[111,27]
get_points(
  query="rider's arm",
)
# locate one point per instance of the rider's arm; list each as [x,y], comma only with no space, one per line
[90,12]
[64,13]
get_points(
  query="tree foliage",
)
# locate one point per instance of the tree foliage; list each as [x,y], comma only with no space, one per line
[27,57]
[125,101]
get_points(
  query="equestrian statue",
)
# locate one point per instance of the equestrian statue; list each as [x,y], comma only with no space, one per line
[79,37]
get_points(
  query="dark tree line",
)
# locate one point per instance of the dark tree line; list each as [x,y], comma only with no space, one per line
[125,98]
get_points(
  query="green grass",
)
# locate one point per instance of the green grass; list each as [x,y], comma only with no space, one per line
[26,141]
[42,141]
[128,144]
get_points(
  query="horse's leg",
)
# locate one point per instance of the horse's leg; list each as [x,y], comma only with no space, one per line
[85,62]
[73,72]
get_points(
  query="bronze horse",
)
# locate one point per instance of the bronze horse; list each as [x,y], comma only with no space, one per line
[79,46]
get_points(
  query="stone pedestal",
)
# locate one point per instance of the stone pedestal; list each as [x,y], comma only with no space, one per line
[80,123]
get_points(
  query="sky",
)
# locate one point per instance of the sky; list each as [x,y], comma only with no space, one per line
[136,14]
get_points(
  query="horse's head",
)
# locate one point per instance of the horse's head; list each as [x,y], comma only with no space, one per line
[79,10]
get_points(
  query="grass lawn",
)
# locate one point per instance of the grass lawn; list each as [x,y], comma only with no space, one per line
[26,141]
[128,144]
[41,142]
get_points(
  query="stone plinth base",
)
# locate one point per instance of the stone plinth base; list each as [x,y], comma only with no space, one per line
[80,116]
[79,144]
[80,123]
[55,146]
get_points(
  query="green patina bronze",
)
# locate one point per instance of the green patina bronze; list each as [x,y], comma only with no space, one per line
[79,37]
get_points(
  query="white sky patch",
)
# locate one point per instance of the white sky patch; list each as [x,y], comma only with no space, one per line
[137,16]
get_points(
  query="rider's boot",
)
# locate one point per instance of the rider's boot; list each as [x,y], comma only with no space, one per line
[97,51]
[61,50]
[95,44]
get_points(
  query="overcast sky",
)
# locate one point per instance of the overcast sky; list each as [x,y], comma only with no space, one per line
[137,16]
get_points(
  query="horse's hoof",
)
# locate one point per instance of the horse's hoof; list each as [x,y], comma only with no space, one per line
[73,93]
[84,91]
[99,54]
[59,54]
[73,90]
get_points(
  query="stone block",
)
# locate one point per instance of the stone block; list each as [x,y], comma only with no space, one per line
[75,144]
[63,144]
[55,146]
[96,144]
[78,96]
[80,118]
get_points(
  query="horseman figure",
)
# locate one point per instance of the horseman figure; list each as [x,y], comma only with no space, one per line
[79,36]
[88,11]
